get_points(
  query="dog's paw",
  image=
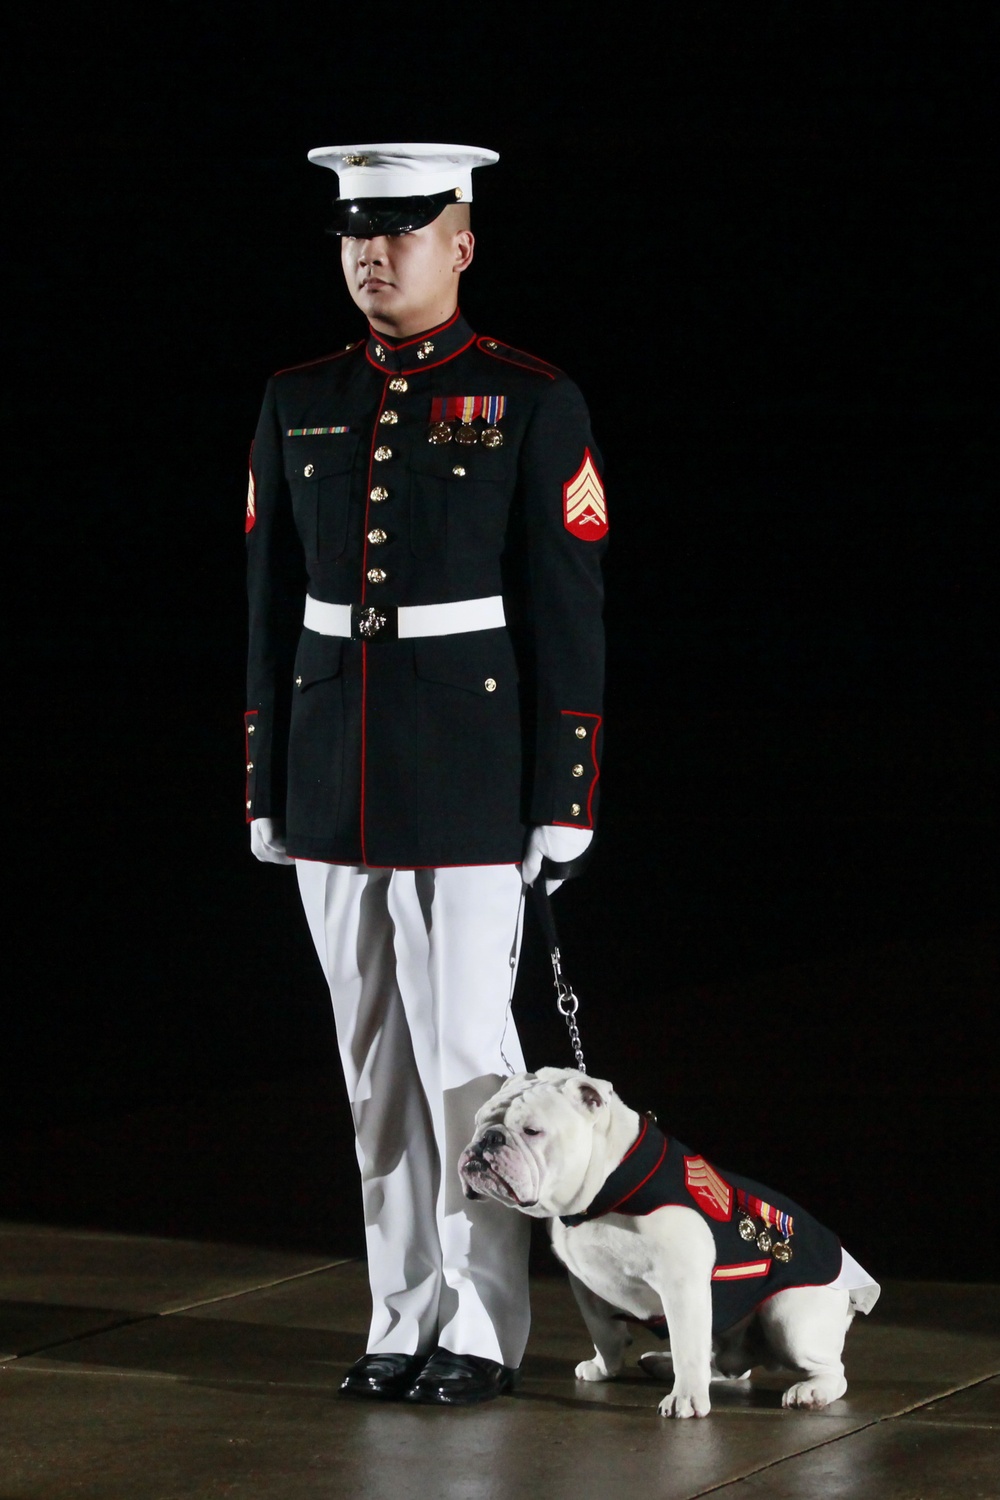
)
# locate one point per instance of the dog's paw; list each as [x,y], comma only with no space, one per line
[815,1393]
[595,1369]
[685,1404]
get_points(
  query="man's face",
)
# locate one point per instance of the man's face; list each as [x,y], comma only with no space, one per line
[405,283]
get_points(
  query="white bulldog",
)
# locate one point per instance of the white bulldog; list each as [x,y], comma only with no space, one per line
[551,1143]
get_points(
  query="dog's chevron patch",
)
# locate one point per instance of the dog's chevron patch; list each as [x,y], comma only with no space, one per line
[712,1192]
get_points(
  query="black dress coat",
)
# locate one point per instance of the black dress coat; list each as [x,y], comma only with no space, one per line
[439,750]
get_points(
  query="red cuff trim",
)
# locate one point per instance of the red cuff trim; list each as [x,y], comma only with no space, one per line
[597,721]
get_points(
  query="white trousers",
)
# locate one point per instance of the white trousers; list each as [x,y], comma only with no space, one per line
[420,966]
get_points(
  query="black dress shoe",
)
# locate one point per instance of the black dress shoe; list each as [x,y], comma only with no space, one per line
[459,1380]
[382,1377]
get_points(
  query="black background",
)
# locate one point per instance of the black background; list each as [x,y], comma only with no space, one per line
[755,236]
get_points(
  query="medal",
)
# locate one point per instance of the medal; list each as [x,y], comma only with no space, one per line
[466,434]
[440,433]
[492,437]
[748,1229]
[782,1251]
[764,1241]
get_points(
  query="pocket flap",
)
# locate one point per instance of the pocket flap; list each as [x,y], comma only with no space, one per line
[479,662]
[441,461]
[309,459]
[318,658]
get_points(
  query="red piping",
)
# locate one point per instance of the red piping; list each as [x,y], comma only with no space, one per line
[503,358]
[419,369]
[632,1191]
[323,359]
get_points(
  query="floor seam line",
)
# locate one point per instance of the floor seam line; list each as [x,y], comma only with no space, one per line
[842,1436]
[167,1312]
[263,1286]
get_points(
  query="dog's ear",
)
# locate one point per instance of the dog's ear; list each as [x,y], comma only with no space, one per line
[591,1097]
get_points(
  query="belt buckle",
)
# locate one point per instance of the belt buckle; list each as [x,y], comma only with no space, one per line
[374,623]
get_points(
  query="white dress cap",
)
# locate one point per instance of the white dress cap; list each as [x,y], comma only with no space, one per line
[403,169]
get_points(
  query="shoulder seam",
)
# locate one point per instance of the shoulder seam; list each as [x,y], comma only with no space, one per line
[324,359]
[550,371]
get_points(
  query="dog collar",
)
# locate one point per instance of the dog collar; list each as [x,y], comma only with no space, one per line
[622,1191]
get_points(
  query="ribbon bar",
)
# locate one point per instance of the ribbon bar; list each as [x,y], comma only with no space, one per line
[757,1207]
[467,408]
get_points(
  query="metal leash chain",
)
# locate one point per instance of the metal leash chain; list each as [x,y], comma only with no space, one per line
[567,1002]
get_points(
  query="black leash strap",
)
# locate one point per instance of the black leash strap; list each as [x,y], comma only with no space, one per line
[567,1002]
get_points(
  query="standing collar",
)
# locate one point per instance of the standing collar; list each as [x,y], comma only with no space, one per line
[618,1191]
[422,352]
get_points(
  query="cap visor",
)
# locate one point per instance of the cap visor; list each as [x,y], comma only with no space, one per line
[364,218]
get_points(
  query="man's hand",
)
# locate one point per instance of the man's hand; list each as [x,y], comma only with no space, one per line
[267,841]
[561,845]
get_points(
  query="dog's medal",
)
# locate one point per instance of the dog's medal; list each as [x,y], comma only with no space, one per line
[440,432]
[782,1251]
[748,1229]
[492,437]
[466,434]
[764,1241]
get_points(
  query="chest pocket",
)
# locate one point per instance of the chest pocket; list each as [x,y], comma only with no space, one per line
[319,474]
[457,499]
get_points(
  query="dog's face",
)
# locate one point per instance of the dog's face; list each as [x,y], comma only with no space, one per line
[540,1143]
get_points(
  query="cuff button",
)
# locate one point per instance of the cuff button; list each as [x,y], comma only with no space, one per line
[576,809]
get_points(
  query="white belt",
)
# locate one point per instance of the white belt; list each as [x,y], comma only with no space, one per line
[411,620]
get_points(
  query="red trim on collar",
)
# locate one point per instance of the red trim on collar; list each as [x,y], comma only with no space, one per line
[420,368]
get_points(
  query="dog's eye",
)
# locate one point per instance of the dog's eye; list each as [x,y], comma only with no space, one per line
[530,1130]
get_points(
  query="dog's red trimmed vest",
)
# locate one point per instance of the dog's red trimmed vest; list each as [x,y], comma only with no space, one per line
[752,1226]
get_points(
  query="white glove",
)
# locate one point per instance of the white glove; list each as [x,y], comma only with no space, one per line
[551,842]
[267,842]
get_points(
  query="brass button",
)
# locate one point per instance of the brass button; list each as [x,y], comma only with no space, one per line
[491,344]
[381,454]
[388,417]
[399,383]
[426,348]
[249,805]
[578,770]
[250,728]
[379,352]
[576,809]
[458,471]
[309,471]
[580,732]
[298,682]
[377,536]
[376,575]
[378,494]
[249,765]
[490,684]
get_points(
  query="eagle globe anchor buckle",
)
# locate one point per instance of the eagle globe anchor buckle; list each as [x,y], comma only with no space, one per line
[371,624]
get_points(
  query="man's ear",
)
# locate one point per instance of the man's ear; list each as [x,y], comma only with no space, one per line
[465,245]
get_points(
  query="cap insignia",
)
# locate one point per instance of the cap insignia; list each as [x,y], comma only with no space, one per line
[357,161]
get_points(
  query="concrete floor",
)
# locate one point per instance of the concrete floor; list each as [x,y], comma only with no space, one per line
[135,1368]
